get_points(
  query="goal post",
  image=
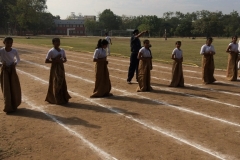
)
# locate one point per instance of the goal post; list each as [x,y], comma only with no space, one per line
[70,29]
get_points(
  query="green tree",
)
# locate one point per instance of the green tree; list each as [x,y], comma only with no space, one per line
[109,21]
[90,26]
[144,27]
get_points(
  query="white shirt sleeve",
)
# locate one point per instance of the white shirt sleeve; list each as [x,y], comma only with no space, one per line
[141,50]
[174,52]
[64,54]
[49,54]
[202,51]
[17,57]
[213,49]
[95,55]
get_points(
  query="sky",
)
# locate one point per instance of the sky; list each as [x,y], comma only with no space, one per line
[139,7]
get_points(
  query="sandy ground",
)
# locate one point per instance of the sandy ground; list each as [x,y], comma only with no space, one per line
[195,122]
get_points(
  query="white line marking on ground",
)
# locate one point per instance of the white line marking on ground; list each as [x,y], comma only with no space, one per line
[190,95]
[156,101]
[99,151]
[152,70]
[158,129]
[125,61]
[228,104]
[212,90]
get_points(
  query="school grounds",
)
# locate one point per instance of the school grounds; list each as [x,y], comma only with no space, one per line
[195,122]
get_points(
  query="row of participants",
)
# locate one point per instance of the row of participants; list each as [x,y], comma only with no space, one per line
[57,90]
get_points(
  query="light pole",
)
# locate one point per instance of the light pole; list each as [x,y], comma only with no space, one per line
[165,34]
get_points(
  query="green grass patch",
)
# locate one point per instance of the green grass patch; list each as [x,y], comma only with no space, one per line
[161,49]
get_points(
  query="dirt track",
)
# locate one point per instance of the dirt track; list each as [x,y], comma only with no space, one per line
[195,122]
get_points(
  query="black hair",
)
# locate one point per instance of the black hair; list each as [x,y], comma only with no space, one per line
[7,39]
[135,31]
[101,43]
[106,34]
[145,41]
[55,40]
[209,38]
[235,36]
[178,42]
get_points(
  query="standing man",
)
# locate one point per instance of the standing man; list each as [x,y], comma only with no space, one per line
[109,42]
[135,47]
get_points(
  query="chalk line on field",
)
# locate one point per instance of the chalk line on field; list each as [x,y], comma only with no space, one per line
[125,61]
[190,95]
[212,90]
[203,98]
[99,151]
[156,101]
[153,70]
[158,129]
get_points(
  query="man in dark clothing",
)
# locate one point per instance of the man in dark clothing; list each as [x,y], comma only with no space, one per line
[135,44]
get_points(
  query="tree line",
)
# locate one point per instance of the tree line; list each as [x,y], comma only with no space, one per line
[199,23]
[25,15]
[31,15]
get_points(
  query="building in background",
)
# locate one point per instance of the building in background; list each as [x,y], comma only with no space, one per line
[75,25]
[62,26]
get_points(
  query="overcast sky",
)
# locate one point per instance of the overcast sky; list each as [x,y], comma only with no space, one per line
[139,7]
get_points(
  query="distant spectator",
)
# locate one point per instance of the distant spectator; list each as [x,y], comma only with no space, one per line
[109,42]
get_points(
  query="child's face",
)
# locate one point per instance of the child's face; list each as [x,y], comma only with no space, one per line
[234,39]
[56,44]
[178,45]
[8,44]
[209,42]
[105,46]
[147,44]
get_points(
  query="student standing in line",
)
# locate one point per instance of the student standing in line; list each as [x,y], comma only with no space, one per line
[134,61]
[207,52]
[109,42]
[10,84]
[232,70]
[57,90]
[102,80]
[177,70]
[145,67]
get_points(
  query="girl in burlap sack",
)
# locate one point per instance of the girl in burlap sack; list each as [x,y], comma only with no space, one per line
[232,69]
[144,67]
[177,70]
[57,90]
[207,52]
[102,80]
[10,84]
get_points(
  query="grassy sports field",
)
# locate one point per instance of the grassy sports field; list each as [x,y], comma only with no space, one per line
[161,49]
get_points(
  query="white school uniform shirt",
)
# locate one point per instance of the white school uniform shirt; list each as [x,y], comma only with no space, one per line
[53,53]
[234,47]
[145,52]
[108,39]
[100,53]
[9,57]
[178,53]
[205,48]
